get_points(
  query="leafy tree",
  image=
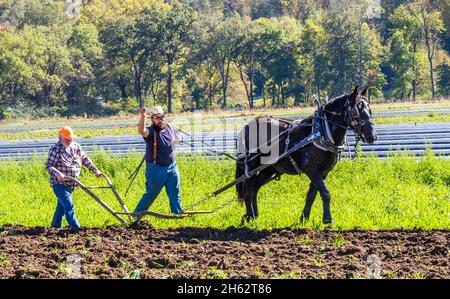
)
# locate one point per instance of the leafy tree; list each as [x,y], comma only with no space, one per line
[230,7]
[203,54]
[55,63]
[86,58]
[85,37]
[266,9]
[247,60]
[14,71]
[431,23]
[444,7]
[314,48]
[444,79]
[174,28]
[372,57]
[135,42]
[400,60]
[101,13]
[343,49]
[220,47]
[412,33]
[32,12]
[279,56]
[202,78]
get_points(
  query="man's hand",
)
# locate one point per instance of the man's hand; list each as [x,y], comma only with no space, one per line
[99,174]
[61,177]
[178,140]
[141,125]
[143,112]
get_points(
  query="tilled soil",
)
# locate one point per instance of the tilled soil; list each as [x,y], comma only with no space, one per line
[145,252]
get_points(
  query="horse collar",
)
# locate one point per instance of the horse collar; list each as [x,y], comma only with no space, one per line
[325,141]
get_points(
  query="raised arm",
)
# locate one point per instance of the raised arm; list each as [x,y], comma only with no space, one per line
[141,125]
[178,137]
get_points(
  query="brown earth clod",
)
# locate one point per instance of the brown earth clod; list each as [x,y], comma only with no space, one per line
[143,251]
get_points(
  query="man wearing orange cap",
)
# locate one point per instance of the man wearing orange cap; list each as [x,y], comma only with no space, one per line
[65,159]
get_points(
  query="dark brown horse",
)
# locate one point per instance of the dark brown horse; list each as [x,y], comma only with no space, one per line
[264,138]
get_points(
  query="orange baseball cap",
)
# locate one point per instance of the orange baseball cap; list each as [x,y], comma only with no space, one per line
[67,132]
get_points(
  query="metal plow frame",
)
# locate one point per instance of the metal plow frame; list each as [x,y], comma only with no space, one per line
[126,212]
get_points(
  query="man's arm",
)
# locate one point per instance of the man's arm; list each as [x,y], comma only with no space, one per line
[178,137]
[141,125]
[51,164]
[86,161]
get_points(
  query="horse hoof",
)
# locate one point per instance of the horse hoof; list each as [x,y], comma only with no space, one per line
[247,218]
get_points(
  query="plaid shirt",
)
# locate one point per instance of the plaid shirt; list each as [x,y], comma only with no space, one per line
[68,162]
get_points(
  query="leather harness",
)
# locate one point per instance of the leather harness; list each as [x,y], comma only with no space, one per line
[320,136]
[325,141]
[155,145]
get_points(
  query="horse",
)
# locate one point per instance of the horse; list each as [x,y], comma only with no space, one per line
[315,159]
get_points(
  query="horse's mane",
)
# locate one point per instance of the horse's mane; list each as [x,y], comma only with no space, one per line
[329,106]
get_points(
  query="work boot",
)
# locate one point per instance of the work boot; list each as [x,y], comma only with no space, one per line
[75,229]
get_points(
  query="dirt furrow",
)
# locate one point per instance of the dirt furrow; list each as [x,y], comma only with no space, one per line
[146,252]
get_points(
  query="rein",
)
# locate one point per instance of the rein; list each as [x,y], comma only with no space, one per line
[349,117]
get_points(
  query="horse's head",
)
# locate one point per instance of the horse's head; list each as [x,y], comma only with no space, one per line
[357,116]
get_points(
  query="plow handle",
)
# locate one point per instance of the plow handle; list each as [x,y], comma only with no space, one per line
[101,202]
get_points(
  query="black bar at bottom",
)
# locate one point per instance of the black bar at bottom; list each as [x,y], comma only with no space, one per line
[225,288]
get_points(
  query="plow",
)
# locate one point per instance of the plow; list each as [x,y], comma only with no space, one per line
[125,216]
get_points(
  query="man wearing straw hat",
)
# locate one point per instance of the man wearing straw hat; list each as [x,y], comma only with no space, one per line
[161,168]
[65,159]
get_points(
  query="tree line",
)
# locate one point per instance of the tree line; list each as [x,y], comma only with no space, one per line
[200,54]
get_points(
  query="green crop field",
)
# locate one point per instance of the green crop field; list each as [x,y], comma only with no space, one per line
[399,192]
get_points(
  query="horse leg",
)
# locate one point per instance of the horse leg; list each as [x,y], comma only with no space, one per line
[249,186]
[261,179]
[319,182]
[310,197]
[252,192]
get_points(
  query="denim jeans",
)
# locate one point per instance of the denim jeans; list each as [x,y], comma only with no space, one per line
[158,177]
[64,207]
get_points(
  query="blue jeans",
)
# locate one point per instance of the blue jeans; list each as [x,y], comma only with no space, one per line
[158,177]
[64,207]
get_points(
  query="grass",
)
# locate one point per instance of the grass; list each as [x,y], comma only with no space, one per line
[197,127]
[338,241]
[430,118]
[3,261]
[401,191]
[133,274]
[81,133]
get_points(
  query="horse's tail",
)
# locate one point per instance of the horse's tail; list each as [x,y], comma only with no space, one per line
[240,188]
